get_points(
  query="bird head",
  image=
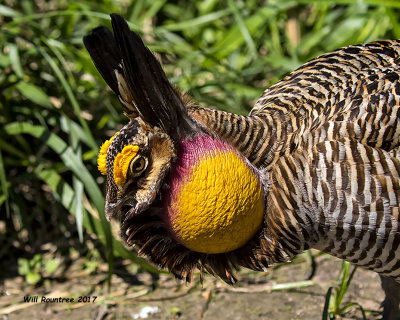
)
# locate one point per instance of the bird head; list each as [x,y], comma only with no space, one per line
[183,197]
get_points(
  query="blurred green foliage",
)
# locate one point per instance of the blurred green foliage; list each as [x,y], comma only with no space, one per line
[34,269]
[55,110]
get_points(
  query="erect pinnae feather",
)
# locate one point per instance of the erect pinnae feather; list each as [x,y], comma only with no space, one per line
[155,99]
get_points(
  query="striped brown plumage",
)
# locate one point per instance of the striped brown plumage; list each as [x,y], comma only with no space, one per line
[329,134]
[358,84]
[326,140]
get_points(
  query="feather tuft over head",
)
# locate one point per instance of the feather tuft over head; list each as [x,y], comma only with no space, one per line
[135,75]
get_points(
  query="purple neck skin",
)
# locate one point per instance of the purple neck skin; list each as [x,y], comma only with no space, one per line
[190,150]
[194,148]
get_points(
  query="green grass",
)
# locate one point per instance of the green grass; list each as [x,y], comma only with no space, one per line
[55,111]
[335,304]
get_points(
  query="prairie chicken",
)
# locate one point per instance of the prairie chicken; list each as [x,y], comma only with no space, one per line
[316,164]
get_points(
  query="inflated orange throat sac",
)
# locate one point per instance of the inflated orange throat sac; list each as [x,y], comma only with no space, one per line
[215,203]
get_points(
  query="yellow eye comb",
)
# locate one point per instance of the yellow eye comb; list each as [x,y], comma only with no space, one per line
[122,161]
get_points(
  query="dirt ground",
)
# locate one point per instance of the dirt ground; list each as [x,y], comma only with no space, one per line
[137,294]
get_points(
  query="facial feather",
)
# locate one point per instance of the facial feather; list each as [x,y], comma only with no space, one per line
[162,153]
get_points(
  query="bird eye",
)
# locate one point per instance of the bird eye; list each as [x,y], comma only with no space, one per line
[138,165]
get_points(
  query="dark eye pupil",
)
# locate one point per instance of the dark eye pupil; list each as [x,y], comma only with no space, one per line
[139,165]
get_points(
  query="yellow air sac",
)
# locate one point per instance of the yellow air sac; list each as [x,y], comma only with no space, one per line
[215,203]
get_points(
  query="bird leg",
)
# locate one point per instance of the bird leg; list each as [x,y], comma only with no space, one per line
[392,298]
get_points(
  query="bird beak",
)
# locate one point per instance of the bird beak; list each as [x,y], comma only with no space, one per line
[111,210]
[115,209]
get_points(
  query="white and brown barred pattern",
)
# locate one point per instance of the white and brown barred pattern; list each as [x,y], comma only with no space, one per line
[358,84]
[326,140]
[343,198]
[329,133]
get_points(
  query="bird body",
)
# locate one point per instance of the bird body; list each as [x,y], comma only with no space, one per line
[358,84]
[316,164]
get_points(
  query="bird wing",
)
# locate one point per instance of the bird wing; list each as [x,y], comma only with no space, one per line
[354,84]
[341,197]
